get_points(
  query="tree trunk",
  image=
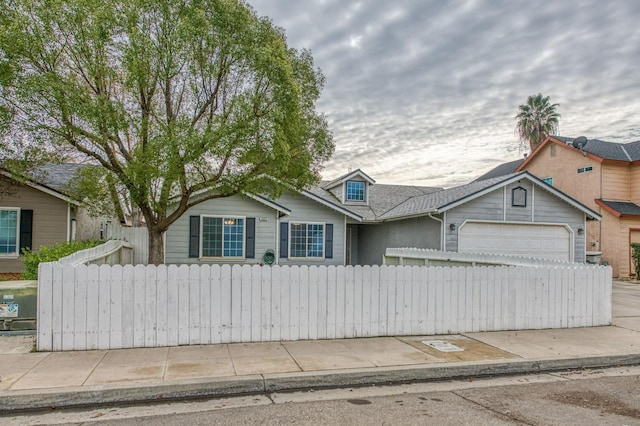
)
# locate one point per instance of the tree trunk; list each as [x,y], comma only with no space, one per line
[156,246]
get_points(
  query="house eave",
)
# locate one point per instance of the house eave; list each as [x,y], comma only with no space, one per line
[521,175]
[43,188]
[332,206]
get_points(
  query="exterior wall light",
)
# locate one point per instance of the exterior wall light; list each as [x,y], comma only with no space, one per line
[452,227]
[580,231]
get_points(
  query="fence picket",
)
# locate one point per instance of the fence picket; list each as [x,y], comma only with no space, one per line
[115,305]
[109,307]
[173,305]
[128,297]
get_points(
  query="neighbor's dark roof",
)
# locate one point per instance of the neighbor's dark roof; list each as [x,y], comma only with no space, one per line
[609,150]
[56,176]
[623,208]
[501,170]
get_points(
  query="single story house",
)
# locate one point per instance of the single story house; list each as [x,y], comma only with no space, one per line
[352,220]
[35,211]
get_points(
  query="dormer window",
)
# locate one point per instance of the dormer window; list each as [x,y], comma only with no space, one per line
[355,190]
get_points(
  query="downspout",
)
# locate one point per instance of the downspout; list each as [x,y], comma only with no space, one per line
[442,236]
[68,221]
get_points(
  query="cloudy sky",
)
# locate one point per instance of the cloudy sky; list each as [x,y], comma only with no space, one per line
[425,92]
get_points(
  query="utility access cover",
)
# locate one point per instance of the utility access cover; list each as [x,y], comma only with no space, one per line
[442,346]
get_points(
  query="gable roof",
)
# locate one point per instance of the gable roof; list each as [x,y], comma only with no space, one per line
[348,176]
[330,202]
[52,179]
[440,202]
[596,149]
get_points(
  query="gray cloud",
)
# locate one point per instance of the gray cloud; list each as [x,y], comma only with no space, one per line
[426,92]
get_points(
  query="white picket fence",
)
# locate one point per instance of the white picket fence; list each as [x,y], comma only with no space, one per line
[109,307]
[430,257]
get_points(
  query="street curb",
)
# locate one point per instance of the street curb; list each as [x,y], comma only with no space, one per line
[93,396]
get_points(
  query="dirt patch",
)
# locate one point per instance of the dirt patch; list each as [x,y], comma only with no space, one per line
[10,276]
[595,401]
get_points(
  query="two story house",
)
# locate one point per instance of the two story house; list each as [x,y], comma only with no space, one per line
[604,176]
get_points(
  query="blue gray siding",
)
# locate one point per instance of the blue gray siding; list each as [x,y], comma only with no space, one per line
[177,237]
[267,228]
[373,240]
[542,207]
[304,209]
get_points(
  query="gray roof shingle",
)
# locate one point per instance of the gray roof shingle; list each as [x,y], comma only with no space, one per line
[609,150]
[56,176]
[382,198]
[432,202]
[624,208]
[501,170]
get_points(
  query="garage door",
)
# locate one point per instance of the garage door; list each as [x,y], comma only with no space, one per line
[531,240]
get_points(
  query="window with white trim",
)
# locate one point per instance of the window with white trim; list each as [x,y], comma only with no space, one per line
[306,240]
[355,190]
[222,236]
[9,232]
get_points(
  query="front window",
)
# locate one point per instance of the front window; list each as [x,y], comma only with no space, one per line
[222,237]
[307,240]
[355,191]
[8,232]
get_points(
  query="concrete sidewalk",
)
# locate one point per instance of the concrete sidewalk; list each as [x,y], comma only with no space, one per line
[31,380]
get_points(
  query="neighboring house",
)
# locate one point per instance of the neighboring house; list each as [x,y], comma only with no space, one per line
[604,176]
[34,212]
[352,220]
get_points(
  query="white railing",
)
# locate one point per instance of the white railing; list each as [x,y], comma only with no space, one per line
[108,307]
[110,253]
[429,257]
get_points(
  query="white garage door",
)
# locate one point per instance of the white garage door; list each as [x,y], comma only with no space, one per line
[531,240]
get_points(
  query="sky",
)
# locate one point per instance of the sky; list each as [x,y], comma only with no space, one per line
[425,92]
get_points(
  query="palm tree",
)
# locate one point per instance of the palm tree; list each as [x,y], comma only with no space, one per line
[537,119]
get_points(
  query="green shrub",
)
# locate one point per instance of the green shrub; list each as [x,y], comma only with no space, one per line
[51,254]
[636,258]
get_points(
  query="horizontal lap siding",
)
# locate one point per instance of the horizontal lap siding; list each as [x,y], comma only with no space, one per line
[487,207]
[304,209]
[49,220]
[551,209]
[635,184]
[373,240]
[177,237]
[616,182]
[542,207]
[111,307]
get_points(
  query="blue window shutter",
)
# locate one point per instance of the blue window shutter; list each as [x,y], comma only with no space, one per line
[250,250]
[194,236]
[328,241]
[26,227]
[284,239]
